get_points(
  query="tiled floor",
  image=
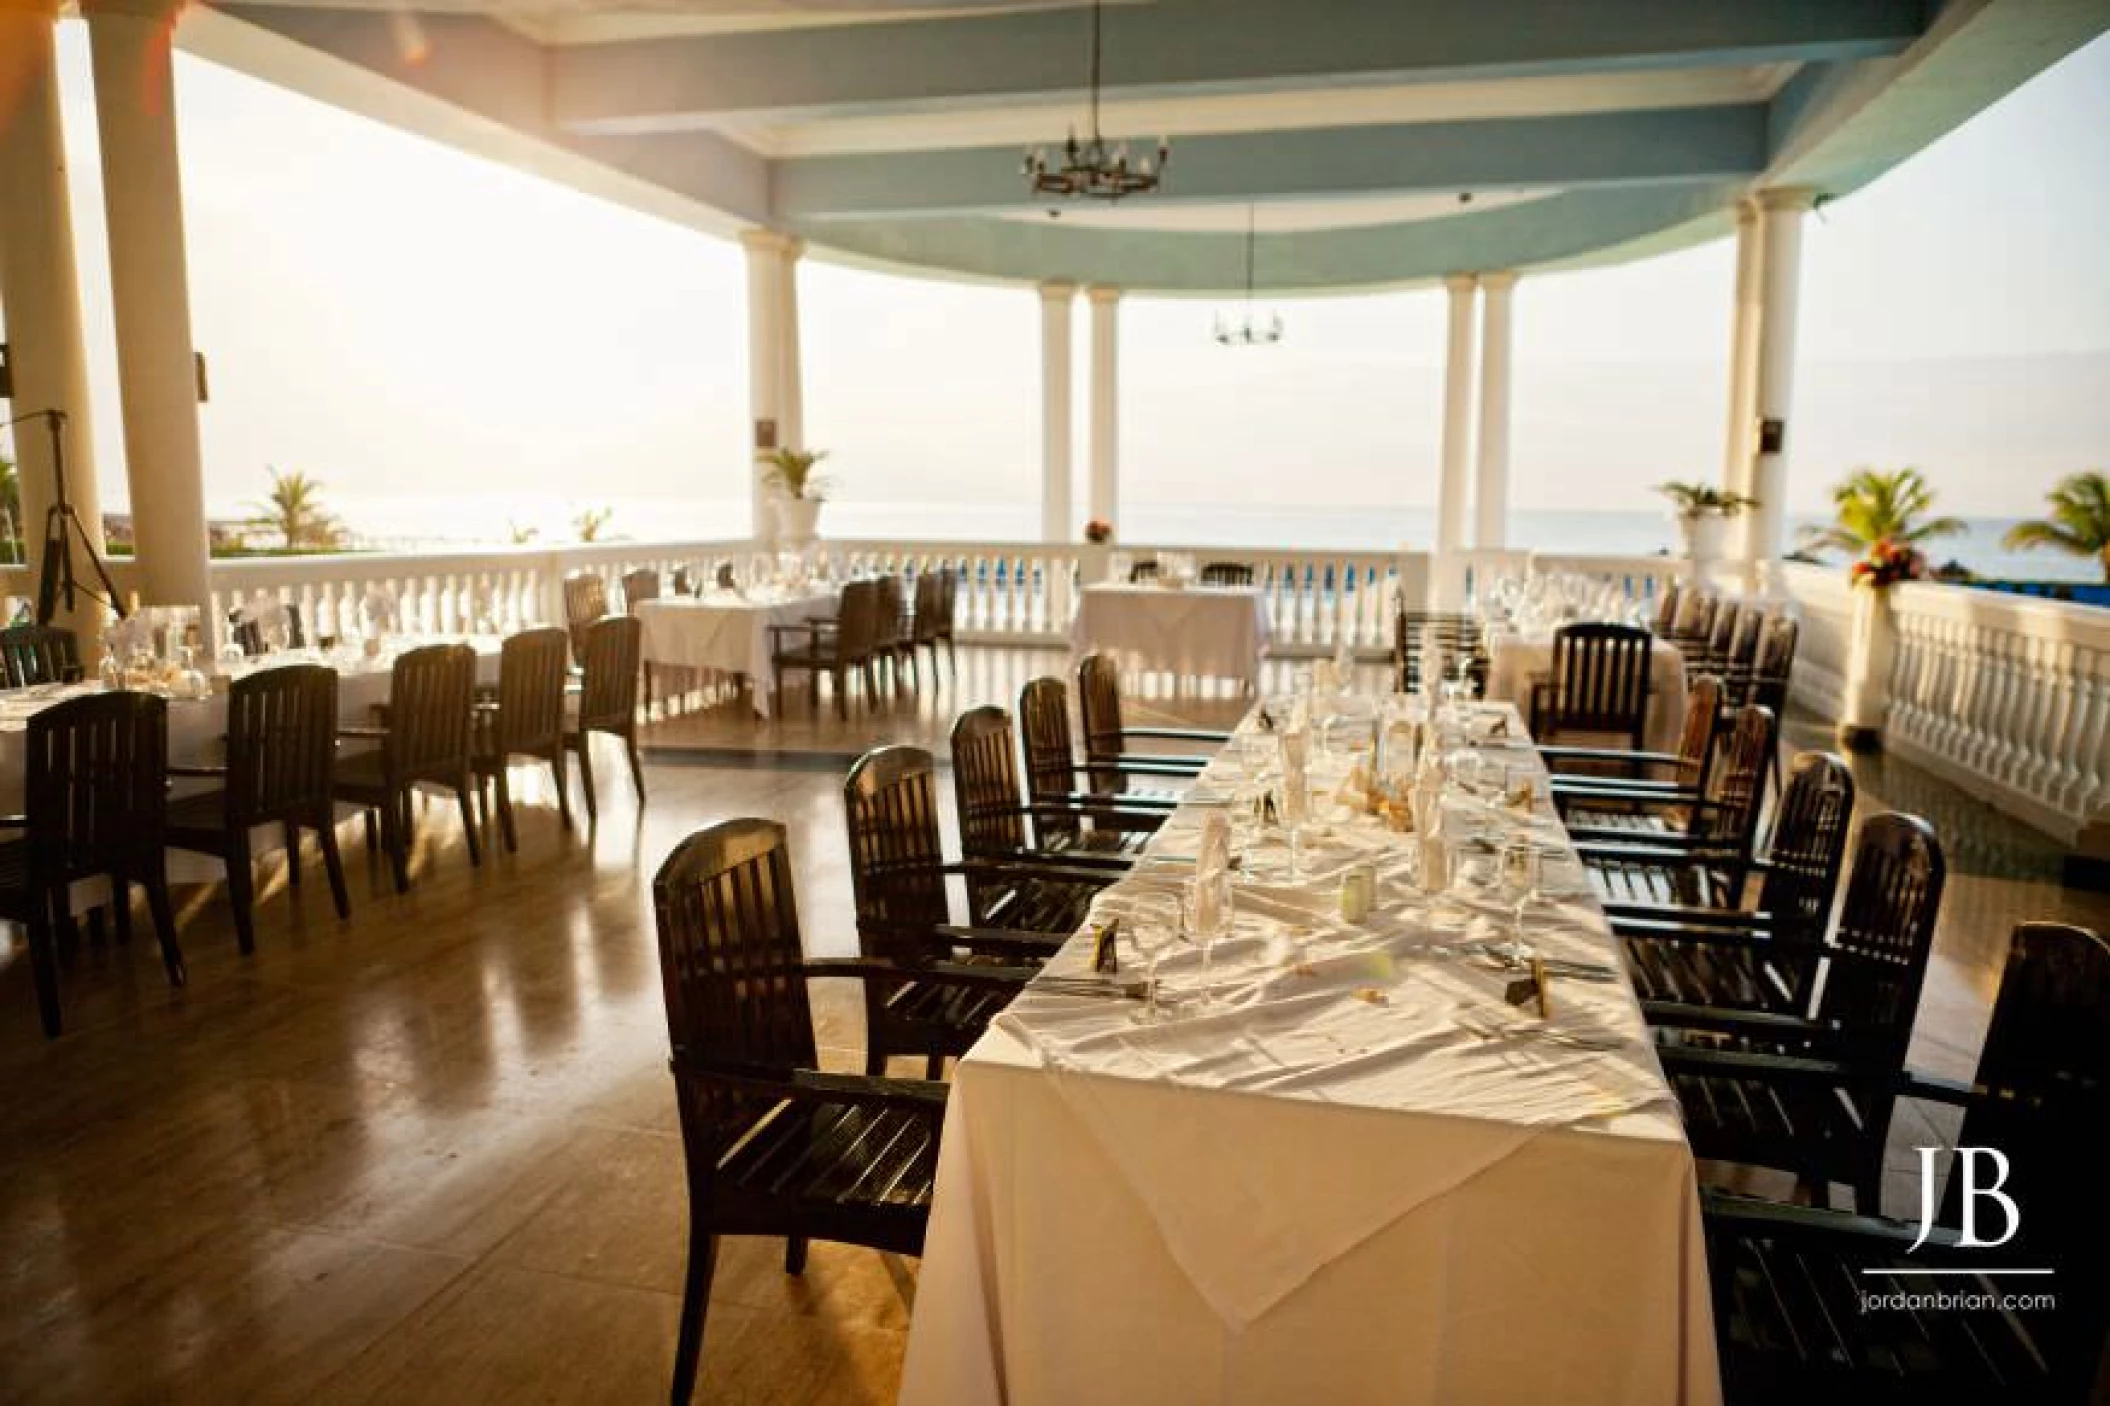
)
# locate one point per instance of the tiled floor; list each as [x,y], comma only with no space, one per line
[430,1155]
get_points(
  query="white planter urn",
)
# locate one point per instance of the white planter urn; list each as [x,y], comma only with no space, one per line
[1871,651]
[1706,538]
[1095,562]
[797,522]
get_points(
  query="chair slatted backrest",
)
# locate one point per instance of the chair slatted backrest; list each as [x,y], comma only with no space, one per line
[1695,618]
[949,602]
[1667,609]
[608,693]
[585,601]
[1727,621]
[1877,959]
[1696,740]
[96,784]
[640,586]
[685,579]
[890,623]
[1744,641]
[857,622]
[1776,663]
[930,606]
[38,654]
[431,696]
[897,882]
[1453,634]
[2044,1090]
[1809,846]
[1144,570]
[1226,573]
[1050,755]
[1601,679]
[731,965]
[1736,786]
[985,782]
[531,676]
[281,742]
[1099,700]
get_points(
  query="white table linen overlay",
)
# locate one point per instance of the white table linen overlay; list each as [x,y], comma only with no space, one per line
[1515,663]
[1193,632]
[726,632]
[1355,1174]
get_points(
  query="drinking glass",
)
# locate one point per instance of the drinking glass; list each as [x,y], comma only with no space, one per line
[1517,877]
[1293,804]
[1205,916]
[1150,930]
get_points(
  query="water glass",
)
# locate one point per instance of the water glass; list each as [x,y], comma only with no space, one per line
[1150,930]
[1205,916]
[1517,877]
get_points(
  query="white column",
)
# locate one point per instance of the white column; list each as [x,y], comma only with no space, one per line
[1447,578]
[1106,404]
[1765,526]
[135,111]
[1056,303]
[1743,353]
[40,289]
[765,370]
[791,378]
[1491,496]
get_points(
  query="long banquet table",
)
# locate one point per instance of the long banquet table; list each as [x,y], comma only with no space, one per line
[1196,632]
[1358,1175]
[726,632]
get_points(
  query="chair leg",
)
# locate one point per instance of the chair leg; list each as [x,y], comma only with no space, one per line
[695,1303]
[121,909]
[637,765]
[842,692]
[44,966]
[326,837]
[934,1068]
[559,770]
[505,809]
[394,844]
[164,912]
[794,1254]
[461,796]
[292,854]
[584,748]
[241,891]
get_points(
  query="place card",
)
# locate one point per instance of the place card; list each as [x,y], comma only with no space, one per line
[1106,956]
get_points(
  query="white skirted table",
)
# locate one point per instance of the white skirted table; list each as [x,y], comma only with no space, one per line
[1356,1175]
[726,632]
[1197,632]
[1517,662]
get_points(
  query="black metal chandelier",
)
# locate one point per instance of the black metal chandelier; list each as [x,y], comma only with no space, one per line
[1246,331]
[1093,167]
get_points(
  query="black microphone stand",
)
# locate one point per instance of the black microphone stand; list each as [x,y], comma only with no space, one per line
[62,527]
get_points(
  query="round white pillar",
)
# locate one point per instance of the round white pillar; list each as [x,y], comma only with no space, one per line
[1743,353]
[1765,526]
[1106,404]
[1491,495]
[131,42]
[41,292]
[765,304]
[1056,303]
[1447,579]
[791,378]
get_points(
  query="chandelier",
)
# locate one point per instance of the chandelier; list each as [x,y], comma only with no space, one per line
[1093,167]
[1246,331]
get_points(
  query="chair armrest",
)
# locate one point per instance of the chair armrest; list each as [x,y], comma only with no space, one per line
[1111,803]
[1142,766]
[1569,787]
[1729,1020]
[198,771]
[1934,1089]
[813,1086]
[975,867]
[14,822]
[1679,1059]
[1728,1212]
[1165,763]
[1609,754]
[1119,863]
[1177,734]
[1690,915]
[1695,934]
[947,973]
[1034,946]
[371,734]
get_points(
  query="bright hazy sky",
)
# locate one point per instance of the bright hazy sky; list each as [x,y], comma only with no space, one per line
[404,321]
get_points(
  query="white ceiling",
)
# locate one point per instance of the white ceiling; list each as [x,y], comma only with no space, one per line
[1276,217]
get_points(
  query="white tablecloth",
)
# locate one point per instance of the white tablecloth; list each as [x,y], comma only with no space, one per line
[725,632]
[1515,663]
[1360,1176]
[1198,632]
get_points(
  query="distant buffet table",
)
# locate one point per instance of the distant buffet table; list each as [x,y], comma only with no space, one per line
[726,632]
[1199,632]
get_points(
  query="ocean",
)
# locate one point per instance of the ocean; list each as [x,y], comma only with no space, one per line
[428,522]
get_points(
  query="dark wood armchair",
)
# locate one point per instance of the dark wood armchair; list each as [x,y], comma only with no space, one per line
[1666,618]
[1456,636]
[1718,951]
[773,1145]
[1060,810]
[993,814]
[1107,735]
[585,601]
[638,587]
[426,739]
[1599,687]
[1597,781]
[281,770]
[847,644]
[1813,1094]
[523,717]
[38,654]
[1705,845]
[1226,573]
[931,625]
[1789,1280]
[608,701]
[96,805]
[894,644]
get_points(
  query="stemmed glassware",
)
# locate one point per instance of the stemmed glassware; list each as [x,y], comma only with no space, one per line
[1150,931]
[1205,916]
[1518,878]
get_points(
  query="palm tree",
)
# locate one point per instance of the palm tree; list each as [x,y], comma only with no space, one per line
[294,511]
[2079,521]
[1880,505]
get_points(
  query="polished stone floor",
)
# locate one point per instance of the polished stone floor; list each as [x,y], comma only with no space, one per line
[429,1155]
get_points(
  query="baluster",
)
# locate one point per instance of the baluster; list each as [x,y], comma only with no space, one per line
[2068,723]
[2037,699]
[2093,795]
[2007,756]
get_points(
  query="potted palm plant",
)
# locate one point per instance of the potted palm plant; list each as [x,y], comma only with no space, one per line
[1880,517]
[1703,512]
[800,492]
[2078,523]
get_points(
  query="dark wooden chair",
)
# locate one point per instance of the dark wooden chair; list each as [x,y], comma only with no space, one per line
[523,717]
[894,644]
[281,770]
[774,1146]
[1052,774]
[931,624]
[1812,1094]
[847,644]
[1721,636]
[993,813]
[608,701]
[1788,1280]
[1144,570]
[1107,735]
[585,601]
[1672,849]
[1456,636]
[1599,686]
[1589,780]
[1667,609]
[95,787]
[425,740]
[38,654]
[1774,669]
[1693,623]
[638,587]
[1720,952]
[1226,573]
[1740,664]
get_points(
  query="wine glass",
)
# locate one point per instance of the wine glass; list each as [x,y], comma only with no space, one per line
[1205,916]
[1517,876]
[1293,804]
[1150,929]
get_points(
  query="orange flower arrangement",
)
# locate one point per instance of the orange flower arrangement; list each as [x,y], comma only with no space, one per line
[1888,563]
